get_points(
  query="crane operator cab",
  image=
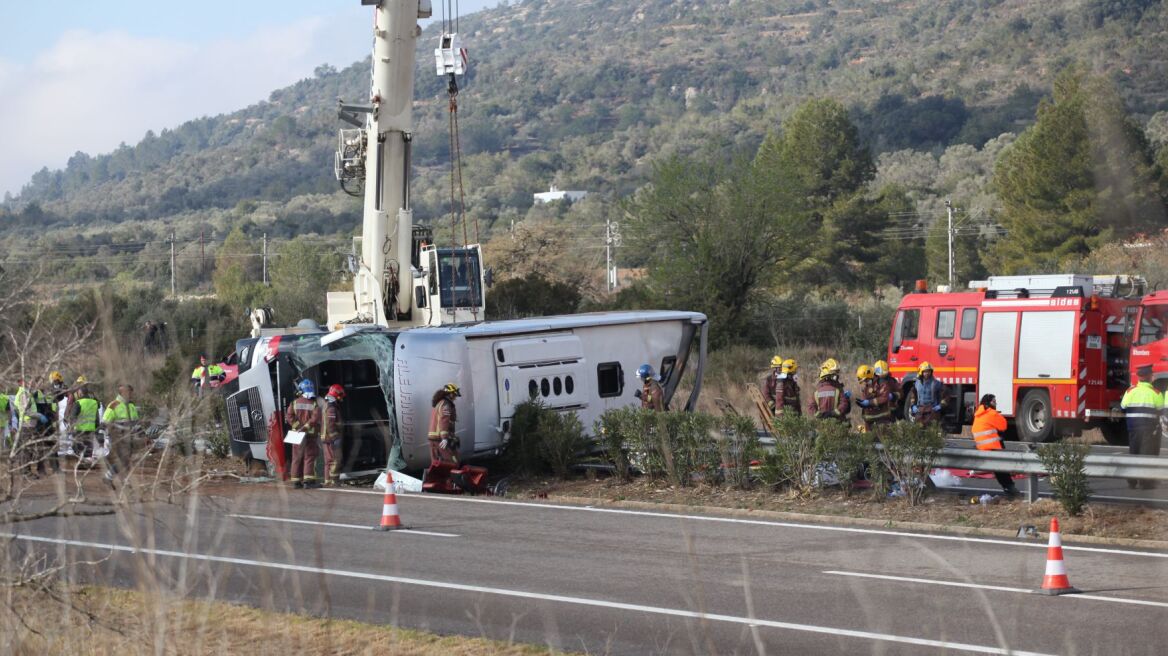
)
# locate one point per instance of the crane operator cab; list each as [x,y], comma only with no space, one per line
[450,286]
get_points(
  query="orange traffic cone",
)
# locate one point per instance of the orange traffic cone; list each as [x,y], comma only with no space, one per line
[390,520]
[1055,582]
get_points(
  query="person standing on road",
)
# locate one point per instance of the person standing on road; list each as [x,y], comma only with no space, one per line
[444,443]
[1143,404]
[332,428]
[988,425]
[652,395]
[121,424]
[789,401]
[873,399]
[831,400]
[931,396]
[303,415]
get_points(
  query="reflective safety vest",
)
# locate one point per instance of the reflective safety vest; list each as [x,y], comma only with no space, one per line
[1142,404]
[987,426]
[86,421]
[25,406]
[119,411]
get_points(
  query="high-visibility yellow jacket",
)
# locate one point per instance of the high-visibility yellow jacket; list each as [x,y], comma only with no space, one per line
[988,424]
[1142,404]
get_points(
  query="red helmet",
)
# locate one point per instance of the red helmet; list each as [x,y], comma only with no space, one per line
[336,391]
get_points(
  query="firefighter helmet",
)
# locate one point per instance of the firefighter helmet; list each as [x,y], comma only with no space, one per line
[645,372]
[81,380]
[56,377]
[777,361]
[307,388]
[790,366]
[880,368]
[864,373]
[336,391]
[925,366]
[829,368]
[451,388]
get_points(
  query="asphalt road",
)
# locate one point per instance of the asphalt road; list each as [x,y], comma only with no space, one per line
[620,581]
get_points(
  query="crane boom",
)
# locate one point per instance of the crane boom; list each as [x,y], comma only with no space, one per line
[398,279]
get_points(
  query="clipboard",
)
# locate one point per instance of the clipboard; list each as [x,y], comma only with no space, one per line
[294,437]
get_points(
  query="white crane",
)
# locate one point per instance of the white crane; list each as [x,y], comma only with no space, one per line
[400,278]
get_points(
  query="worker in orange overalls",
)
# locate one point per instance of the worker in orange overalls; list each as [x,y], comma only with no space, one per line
[303,415]
[988,425]
[831,401]
[444,444]
[332,429]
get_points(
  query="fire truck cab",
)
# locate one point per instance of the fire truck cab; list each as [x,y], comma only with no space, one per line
[1150,338]
[1053,349]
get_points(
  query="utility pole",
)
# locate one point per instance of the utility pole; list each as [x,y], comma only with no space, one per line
[611,238]
[265,259]
[203,255]
[173,291]
[949,211]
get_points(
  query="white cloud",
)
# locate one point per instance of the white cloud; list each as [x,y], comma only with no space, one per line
[91,91]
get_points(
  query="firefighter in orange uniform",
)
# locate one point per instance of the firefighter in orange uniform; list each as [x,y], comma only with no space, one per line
[831,401]
[988,425]
[873,399]
[332,428]
[444,444]
[303,415]
[652,395]
[788,399]
[773,390]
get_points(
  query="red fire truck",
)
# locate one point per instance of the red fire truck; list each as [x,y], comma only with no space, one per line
[1054,349]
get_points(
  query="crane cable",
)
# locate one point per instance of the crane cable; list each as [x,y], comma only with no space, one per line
[457,193]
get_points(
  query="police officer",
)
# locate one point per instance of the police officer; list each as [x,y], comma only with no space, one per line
[652,395]
[444,445]
[1143,405]
[303,415]
[831,401]
[332,428]
[931,396]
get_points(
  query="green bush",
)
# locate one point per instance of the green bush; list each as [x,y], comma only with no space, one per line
[543,440]
[522,456]
[909,452]
[738,447]
[793,462]
[616,429]
[1065,463]
[836,443]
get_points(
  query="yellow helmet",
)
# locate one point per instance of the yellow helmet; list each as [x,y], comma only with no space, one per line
[925,366]
[81,380]
[790,366]
[777,361]
[451,388]
[864,373]
[880,368]
[829,368]
[56,377]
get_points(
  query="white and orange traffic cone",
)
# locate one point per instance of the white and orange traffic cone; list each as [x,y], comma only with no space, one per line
[390,519]
[1055,582]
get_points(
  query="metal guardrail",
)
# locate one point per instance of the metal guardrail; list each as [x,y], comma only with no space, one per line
[1027,462]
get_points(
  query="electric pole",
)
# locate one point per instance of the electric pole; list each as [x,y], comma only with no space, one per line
[202,256]
[173,291]
[611,238]
[265,259]
[949,211]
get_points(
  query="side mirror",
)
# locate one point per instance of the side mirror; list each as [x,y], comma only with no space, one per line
[637,394]
[419,296]
[489,277]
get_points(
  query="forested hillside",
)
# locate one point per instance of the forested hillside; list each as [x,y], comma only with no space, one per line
[590,94]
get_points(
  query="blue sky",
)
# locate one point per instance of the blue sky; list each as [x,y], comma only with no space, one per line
[92,74]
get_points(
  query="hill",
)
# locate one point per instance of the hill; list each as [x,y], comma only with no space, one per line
[588,93]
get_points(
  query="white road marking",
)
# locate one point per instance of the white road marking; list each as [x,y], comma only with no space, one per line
[999,588]
[538,596]
[763,522]
[362,527]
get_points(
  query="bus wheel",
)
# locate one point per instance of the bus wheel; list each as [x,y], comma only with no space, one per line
[1115,432]
[1034,420]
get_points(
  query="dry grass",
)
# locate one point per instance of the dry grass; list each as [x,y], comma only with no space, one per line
[941,509]
[122,622]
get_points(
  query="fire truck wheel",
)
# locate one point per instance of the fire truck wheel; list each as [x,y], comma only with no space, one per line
[1035,423]
[1115,432]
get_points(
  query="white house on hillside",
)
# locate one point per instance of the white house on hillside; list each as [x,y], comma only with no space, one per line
[556,194]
